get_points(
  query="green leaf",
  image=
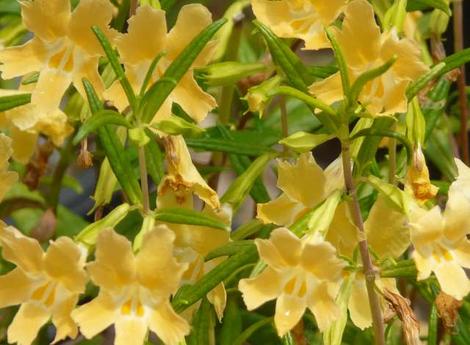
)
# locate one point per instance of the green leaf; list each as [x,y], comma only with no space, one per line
[229,72]
[98,120]
[232,323]
[229,146]
[202,325]
[154,158]
[398,198]
[304,142]
[116,65]
[187,295]
[114,151]
[187,216]
[433,325]
[342,65]
[238,190]
[247,333]
[175,125]
[419,5]
[13,101]
[229,249]
[435,104]
[404,268]
[159,91]
[10,7]
[424,80]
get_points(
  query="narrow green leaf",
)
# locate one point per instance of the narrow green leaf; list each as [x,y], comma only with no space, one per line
[238,190]
[202,325]
[419,5]
[433,325]
[305,142]
[187,295]
[175,125]
[154,158]
[149,74]
[367,76]
[249,229]
[229,249]
[114,151]
[342,65]
[159,91]
[229,146]
[13,101]
[229,72]
[404,268]
[116,65]
[247,333]
[98,120]
[435,104]
[187,216]
[424,80]
[232,323]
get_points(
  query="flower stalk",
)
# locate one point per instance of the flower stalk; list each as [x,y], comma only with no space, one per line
[368,267]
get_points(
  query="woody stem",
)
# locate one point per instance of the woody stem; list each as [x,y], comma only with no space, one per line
[369,271]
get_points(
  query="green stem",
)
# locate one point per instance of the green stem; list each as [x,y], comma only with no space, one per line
[368,267]
[144,180]
[66,155]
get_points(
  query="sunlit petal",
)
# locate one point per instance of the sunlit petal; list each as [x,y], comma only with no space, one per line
[130,331]
[452,279]
[323,306]
[289,310]
[320,259]
[27,322]
[24,59]
[260,289]
[169,326]
[280,211]
[15,288]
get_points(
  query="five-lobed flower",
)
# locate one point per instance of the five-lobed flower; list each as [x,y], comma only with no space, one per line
[46,285]
[300,274]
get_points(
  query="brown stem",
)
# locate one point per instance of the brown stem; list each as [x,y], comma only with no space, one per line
[392,160]
[144,181]
[368,267]
[458,46]
[133,7]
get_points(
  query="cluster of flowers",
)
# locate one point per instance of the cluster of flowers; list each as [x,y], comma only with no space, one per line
[136,282]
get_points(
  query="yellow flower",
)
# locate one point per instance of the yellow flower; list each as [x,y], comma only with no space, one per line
[47,285]
[146,38]
[300,274]
[135,289]
[17,122]
[304,185]
[64,50]
[182,174]
[388,236]
[418,178]
[304,19]
[364,47]
[7,178]
[441,244]
[193,243]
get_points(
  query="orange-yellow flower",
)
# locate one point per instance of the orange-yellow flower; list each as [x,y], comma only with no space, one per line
[418,178]
[63,50]
[146,38]
[304,19]
[300,274]
[364,47]
[441,243]
[135,289]
[47,285]
[304,185]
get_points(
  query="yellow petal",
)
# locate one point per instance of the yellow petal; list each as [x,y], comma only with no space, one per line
[8,179]
[23,251]
[146,36]
[54,126]
[329,90]
[15,288]
[27,322]
[88,68]
[130,331]
[192,19]
[157,268]
[64,262]
[50,89]
[418,178]
[24,59]
[218,298]
[409,65]
[457,222]
[114,265]
[424,265]
[452,279]
[260,289]
[62,320]
[359,36]
[5,150]
[392,100]
[281,211]
[328,11]
[319,258]
[289,311]
[358,305]
[462,182]
[24,117]
[426,226]
[82,21]
[169,326]
[342,233]
[23,144]
[462,253]
[117,96]
[303,181]
[323,306]
[47,19]
[283,249]
[387,230]
[194,101]
[183,175]
[95,316]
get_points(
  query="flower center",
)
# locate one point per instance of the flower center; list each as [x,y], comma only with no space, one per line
[45,294]
[63,59]
[297,285]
